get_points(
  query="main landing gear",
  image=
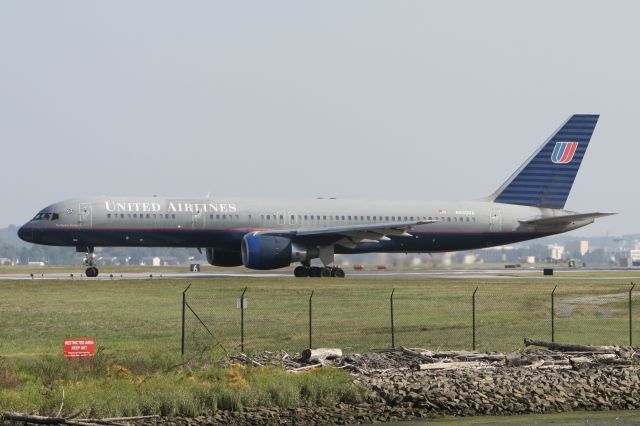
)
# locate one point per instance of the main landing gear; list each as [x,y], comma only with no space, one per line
[315,271]
[89,257]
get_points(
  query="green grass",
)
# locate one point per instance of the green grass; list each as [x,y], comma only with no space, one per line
[137,325]
[141,319]
[107,388]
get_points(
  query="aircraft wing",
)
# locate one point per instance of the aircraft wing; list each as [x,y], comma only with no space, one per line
[563,220]
[351,235]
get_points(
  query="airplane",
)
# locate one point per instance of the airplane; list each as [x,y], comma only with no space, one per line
[267,234]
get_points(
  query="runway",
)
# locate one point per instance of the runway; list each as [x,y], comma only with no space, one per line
[437,274]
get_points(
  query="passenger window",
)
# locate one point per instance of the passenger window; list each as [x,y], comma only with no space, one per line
[448,219]
[368,217]
[224,217]
[342,217]
[411,217]
[210,216]
[374,218]
[386,218]
[324,218]
[148,216]
[109,215]
[305,217]
[349,217]
[268,217]
[467,219]
[293,218]
[173,216]
[121,215]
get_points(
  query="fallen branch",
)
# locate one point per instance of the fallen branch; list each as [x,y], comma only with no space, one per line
[569,347]
[449,365]
[43,420]
[413,353]
[305,368]
[61,404]
[113,420]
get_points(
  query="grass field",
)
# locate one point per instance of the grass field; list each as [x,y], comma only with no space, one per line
[137,325]
[143,317]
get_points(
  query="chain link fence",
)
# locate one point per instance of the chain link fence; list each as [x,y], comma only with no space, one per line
[446,317]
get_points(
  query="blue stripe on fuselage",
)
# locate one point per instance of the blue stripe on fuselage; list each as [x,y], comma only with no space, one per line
[231,239]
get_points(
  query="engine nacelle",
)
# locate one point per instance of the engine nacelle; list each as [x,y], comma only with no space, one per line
[219,257]
[272,252]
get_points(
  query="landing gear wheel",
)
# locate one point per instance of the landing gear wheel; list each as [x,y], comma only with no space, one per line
[89,257]
[315,272]
[301,272]
[338,273]
[325,272]
[92,272]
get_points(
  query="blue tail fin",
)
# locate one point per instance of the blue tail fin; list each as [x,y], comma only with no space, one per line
[546,178]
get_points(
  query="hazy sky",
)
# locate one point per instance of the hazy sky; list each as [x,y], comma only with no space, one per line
[393,99]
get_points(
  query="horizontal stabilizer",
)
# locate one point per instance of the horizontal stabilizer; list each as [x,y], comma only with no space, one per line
[563,220]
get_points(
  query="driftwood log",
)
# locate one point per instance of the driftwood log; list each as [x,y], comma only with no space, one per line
[450,365]
[320,354]
[42,420]
[565,347]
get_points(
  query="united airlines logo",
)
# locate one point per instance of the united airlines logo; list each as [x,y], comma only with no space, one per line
[563,152]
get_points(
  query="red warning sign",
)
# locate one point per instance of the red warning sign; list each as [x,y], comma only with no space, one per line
[79,347]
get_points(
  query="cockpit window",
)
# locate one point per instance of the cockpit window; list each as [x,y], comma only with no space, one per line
[47,216]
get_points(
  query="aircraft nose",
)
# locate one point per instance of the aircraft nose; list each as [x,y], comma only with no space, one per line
[25,233]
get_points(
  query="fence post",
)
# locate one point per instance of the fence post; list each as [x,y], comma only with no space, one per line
[393,332]
[473,319]
[310,322]
[631,315]
[184,317]
[242,320]
[553,315]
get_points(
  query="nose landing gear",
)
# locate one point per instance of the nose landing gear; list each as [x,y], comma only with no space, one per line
[89,257]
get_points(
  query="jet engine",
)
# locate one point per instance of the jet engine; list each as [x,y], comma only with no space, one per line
[219,257]
[273,252]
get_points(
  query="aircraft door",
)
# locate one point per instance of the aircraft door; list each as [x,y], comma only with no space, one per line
[197,219]
[495,220]
[85,215]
